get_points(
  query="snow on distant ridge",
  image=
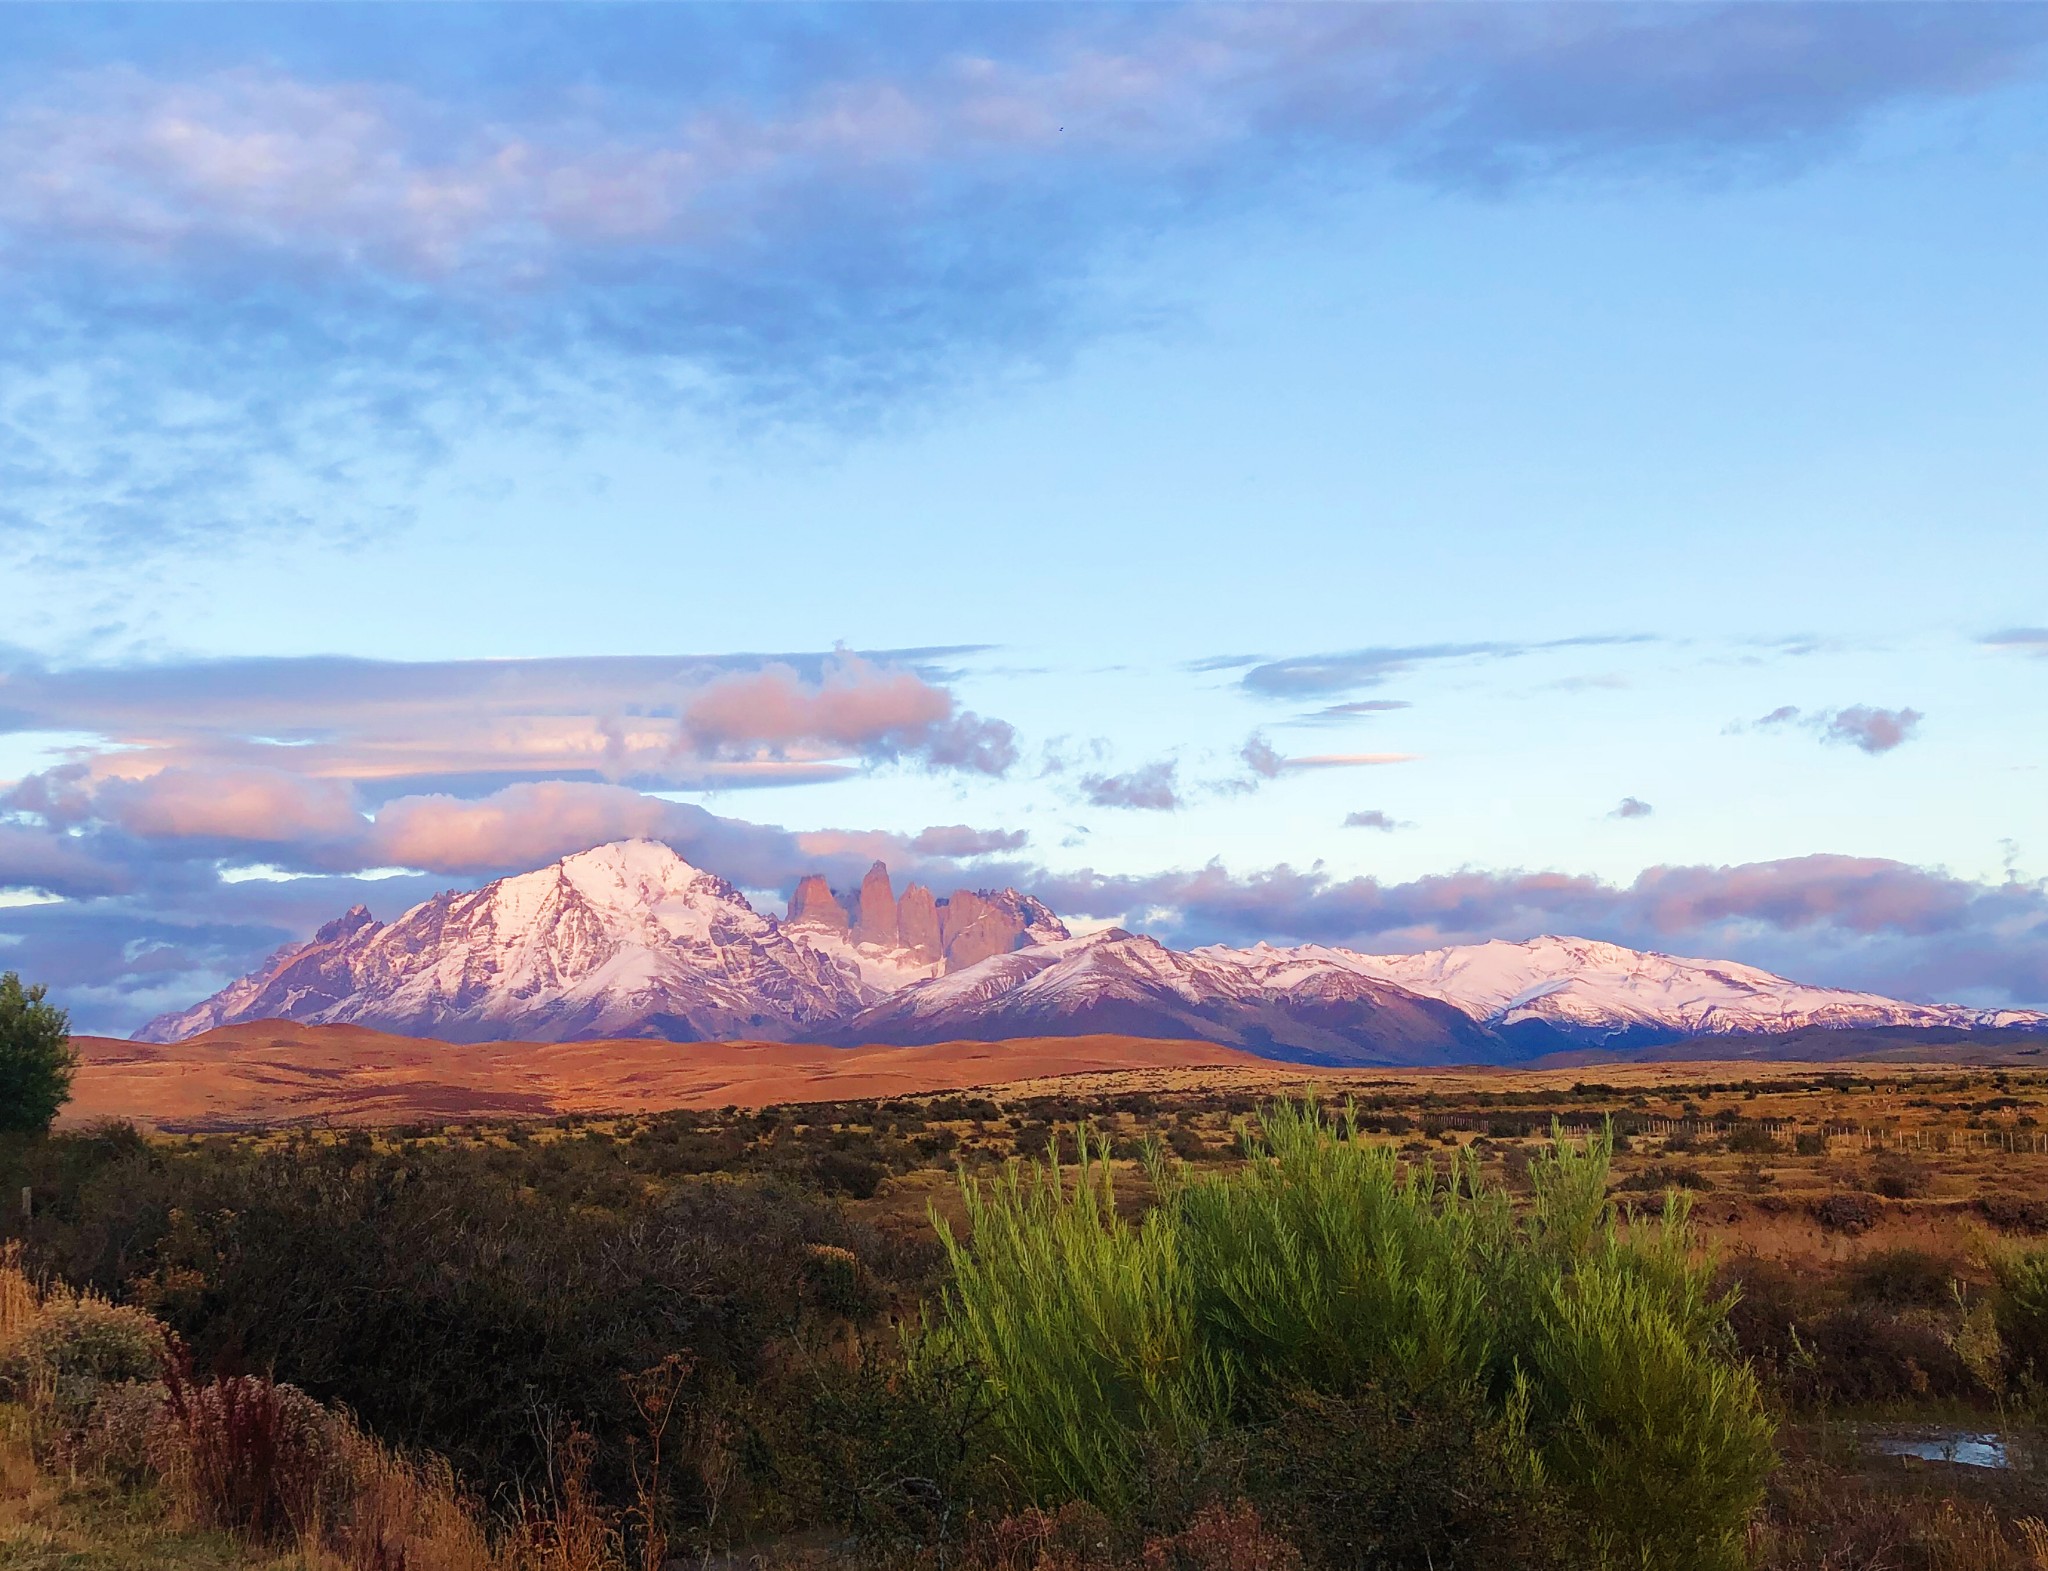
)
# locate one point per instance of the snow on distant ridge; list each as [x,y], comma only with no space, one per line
[1584,987]
[629,939]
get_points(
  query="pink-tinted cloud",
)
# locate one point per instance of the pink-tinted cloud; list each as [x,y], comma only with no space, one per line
[1349,760]
[855,705]
[1871,729]
[1862,726]
[961,840]
[674,722]
[253,806]
[524,825]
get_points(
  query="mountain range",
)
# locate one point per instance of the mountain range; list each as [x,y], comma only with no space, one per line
[630,940]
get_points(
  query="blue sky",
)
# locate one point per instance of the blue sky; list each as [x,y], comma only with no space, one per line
[1374,475]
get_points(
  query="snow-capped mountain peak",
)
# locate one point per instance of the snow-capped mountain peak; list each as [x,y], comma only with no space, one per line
[630,939]
[625,939]
[1596,991]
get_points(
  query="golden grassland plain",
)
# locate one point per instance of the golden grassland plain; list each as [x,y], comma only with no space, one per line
[1964,1148]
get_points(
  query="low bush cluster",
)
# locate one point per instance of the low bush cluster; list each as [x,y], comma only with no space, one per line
[461,1313]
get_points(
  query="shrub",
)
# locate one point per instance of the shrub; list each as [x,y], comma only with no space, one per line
[844,1173]
[1418,1485]
[1084,1325]
[36,1061]
[248,1454]
[1330,1266]
[1751,1140]
[1659,1440]
[1822,1518]
[122,1437]
[1221,1536]
[2014,1213]
[1322,1270]
[1668,1175]
[2019,1305]
[1897,1176]
[1901,1277]
[457,1292]
[894,1450]
[75,1346]
[1847,1212]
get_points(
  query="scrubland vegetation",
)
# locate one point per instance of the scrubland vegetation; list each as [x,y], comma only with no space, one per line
[1668,1326]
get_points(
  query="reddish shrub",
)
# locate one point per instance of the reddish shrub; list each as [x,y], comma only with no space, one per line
[249,1452]
[1223,1538]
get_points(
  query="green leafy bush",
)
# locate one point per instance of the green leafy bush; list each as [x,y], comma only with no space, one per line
[1598,1365]
[36,1060]
[1084,1325]
[2019,1306]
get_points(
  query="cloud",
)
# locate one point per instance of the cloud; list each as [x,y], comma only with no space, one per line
[1266,763]
[1861,726]
[1308,676]
[389,726]
[1153,786]
[222,258]
[1260,757]
[959,840]
[1872,730]
[1373,818]
[1316,676]
[2025,640]
[1334,714]
[1848,921]
[1350,760]
[521,826]
[252,806]
[34,859]
[854,705]
[1630,807]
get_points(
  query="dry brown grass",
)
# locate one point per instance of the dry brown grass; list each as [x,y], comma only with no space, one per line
[20,1303]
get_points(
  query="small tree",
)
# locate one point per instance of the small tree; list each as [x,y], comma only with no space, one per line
[36,1060]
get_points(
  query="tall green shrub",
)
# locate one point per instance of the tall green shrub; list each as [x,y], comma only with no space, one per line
[36,1060]
[1083,1324]
[1323,1265]
[1649,1428]
[1322,1270]
[2019,1308]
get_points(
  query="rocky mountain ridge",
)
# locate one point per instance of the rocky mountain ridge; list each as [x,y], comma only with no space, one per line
[622,940]
[630,940]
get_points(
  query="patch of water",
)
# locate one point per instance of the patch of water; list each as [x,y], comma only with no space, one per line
[1957,1446]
